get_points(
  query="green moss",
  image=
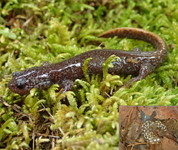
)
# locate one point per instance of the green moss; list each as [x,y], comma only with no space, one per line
[32,32]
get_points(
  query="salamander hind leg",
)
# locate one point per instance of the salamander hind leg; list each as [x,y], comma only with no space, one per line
[136,49]
[145,69]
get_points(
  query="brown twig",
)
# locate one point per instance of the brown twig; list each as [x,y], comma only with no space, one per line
[127,126]
[137,144]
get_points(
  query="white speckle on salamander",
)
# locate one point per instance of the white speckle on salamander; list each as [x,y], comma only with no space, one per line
[148,129]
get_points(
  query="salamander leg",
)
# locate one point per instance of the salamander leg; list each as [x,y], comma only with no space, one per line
[136,49]
[144,71]
[67,85]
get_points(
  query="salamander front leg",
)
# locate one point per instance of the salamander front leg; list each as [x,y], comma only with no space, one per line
[67,85]
[144,71]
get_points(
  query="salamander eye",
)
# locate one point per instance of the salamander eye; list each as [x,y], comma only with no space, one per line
[15,74]
[20,84]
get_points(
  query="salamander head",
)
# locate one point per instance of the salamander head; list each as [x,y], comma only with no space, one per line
[19,86]
[22,82]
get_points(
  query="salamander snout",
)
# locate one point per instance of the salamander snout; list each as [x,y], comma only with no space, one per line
[18,86]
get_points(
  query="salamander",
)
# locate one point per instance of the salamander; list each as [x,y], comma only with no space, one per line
[135,62]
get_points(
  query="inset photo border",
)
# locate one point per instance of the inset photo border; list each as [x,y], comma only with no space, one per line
[148,127]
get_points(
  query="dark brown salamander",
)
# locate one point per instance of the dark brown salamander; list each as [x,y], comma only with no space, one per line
[135,62]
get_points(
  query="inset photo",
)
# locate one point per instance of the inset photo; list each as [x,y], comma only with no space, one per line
[148,127]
